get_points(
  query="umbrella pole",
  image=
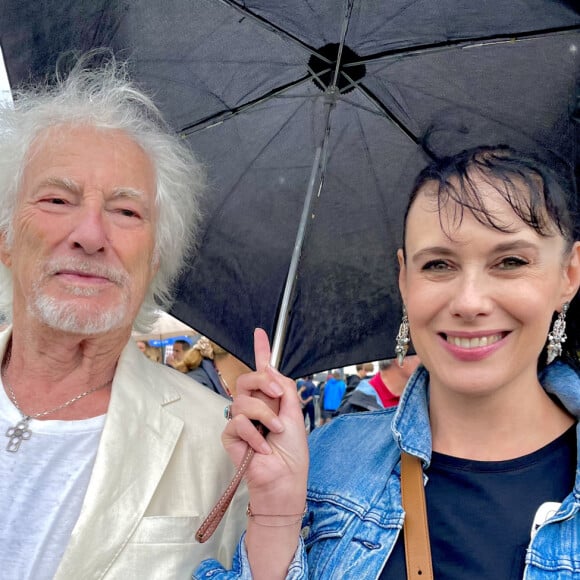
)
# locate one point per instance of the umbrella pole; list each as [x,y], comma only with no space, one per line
[318,168]
[317,175]
[282,321]
[211,522]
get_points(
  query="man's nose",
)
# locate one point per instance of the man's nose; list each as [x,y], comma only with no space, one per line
[89,230]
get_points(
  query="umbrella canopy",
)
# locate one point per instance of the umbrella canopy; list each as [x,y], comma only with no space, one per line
[346,100]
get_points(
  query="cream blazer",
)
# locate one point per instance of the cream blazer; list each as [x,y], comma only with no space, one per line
[159,469]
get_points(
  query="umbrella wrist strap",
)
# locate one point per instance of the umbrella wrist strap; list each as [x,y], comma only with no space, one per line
[210,524]
[415,528]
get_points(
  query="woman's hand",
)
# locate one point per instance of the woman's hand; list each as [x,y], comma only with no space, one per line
[277,474]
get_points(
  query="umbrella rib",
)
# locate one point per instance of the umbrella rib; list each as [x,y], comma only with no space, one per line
[250,164]
[97,40]
[385,111]
[221,116]
[345,23]
[466,43]
[273,27]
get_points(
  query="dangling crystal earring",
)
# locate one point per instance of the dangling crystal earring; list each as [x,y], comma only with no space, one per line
[558,334]
[402,340]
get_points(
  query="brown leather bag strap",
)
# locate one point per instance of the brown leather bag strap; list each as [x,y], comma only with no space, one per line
[415,529]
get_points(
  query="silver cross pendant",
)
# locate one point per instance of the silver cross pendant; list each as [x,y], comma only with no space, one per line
[17,434]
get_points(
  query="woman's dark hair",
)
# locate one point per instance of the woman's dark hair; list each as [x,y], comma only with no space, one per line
[536,194]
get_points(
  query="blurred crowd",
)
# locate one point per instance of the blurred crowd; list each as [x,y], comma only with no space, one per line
[203,360]
[366,390]
[322,397]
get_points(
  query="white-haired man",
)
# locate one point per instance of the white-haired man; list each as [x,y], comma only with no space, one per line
[110,462]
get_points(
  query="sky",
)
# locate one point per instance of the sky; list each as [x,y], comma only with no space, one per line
[5,94]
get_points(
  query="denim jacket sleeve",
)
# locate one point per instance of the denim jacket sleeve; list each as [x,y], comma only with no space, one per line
[213,570]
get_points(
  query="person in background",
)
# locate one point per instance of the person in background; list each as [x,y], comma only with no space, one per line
[154,353]
[151,352]
[363,371]
[489,277]
[369,369]
[334,390]
[384,389]
[306,392]
[108,460]
[180,347]
[213,366]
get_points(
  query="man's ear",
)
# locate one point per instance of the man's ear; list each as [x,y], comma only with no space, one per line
[402,274]
[5,250]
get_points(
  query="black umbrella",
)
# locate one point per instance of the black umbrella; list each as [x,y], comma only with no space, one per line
[343,101]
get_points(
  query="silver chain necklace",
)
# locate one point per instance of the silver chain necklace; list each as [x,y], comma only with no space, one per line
[21,431]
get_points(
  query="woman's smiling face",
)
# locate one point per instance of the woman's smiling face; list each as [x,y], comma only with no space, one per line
[480,301]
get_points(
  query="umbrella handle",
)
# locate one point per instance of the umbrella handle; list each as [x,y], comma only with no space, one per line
[212,521]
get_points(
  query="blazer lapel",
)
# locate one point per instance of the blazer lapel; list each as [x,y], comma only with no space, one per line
[137,443]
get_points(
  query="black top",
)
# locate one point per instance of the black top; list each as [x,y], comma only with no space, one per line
[481,512]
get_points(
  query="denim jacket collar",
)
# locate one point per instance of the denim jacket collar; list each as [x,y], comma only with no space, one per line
[411,427]
[412,430]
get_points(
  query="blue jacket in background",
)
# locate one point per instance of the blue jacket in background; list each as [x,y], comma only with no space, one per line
[354,511]
[334,390]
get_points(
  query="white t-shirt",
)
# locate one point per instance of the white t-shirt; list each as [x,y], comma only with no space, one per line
[42,488]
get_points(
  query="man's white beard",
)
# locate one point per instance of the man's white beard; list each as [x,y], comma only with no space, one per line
[76,318]
[73,316]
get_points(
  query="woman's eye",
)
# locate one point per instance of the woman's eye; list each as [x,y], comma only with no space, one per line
[436,265]
[511,263]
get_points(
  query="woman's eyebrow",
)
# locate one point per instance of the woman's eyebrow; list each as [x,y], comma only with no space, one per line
[444,251]
[430,251]
[515,245]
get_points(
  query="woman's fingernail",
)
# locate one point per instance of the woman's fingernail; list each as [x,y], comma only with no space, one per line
[277,425]
[276,389]
[265,448]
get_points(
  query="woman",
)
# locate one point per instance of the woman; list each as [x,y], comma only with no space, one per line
[150,352]
[489,270]
[212,366]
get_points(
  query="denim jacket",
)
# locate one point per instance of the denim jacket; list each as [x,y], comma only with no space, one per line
[354,493]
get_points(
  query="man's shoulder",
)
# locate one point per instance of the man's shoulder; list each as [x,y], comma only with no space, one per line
[176,392]
[190,390]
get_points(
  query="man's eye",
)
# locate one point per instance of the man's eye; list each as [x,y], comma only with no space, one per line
[56,201]
[128,212]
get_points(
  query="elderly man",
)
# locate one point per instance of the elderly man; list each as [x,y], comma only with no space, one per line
[110,462]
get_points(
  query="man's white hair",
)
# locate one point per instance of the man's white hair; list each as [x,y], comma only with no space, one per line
[98,93]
